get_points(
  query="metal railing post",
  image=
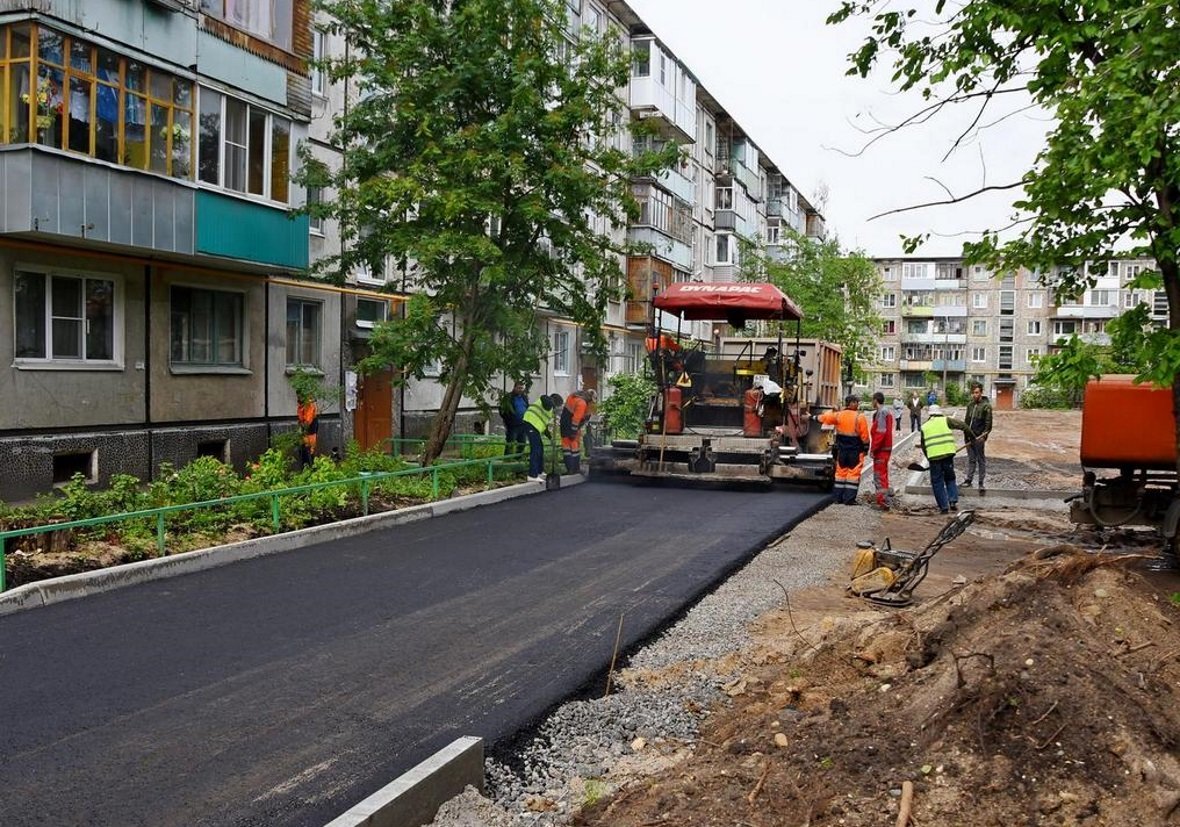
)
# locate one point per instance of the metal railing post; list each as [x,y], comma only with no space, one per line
[274,512]
[365,497]
[160,533]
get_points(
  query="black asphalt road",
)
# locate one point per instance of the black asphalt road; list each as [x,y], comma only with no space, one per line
[280,691]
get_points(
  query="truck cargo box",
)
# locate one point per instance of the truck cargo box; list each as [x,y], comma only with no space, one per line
[1125,425]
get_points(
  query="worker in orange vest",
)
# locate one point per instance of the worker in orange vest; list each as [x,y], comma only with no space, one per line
[852,443]
[309,427]
[574,416]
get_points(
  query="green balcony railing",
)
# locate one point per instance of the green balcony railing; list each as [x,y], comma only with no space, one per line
[363,485]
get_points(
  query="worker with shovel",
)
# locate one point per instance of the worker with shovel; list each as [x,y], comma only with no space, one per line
[852,443]
[938,443]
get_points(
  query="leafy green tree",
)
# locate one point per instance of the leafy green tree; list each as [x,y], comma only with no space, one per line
[1109,172]
[627,407]
[477,151]
[1070,367]
[838,291]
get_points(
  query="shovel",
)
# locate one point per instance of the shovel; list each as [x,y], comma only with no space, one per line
[917,466]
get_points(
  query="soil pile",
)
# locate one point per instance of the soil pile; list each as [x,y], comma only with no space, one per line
[1044,695]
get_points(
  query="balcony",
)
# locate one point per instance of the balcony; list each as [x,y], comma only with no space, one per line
[951,311]
[917,311]
[949,365]
[49,194]
[676,183]
[950,284]
[242,229]
[663,246]
[774,208]
[677,119]
[1085,311]
[922,284]
[916,364]
[934,338]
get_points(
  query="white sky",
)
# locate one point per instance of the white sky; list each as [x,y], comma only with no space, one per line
[779,71]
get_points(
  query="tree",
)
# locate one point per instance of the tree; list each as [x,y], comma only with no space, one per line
[478,152]
[1070,367]
[1109,172]
[837,291]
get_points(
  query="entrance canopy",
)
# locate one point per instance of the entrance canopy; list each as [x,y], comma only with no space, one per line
[732,302]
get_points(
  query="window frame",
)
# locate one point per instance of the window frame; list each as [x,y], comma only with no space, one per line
[889,300]
[268,166]
[49,361]
[365,323]
[561,352]
[319,50]
[979,300]
[280,14]
[318,363]
[978,354]
[215,366]
[888,353]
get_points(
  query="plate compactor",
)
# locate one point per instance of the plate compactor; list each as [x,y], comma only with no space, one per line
[888,576]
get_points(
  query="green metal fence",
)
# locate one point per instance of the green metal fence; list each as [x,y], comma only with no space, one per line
[363,484]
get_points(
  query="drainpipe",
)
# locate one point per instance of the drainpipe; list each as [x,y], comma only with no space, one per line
[147,369]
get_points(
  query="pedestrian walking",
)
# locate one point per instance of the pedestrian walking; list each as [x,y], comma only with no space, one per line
[898,407]
[881,435]
[915,406]
[931,397]
[938,443]
[512,408]
[979,419]
[576,412]
[852,443]
[538,423]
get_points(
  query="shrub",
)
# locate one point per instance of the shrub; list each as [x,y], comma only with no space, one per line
[625,410]
[1047,398]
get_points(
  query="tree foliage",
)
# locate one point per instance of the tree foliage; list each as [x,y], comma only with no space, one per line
[1109,172]
[476,152]
[626,409]
[838,291]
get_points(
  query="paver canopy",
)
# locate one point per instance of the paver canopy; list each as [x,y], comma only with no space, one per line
[723,301]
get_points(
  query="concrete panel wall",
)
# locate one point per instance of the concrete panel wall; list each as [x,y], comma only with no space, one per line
[282,397]
[68,396]
[183,394]
[238,68]
[180,446]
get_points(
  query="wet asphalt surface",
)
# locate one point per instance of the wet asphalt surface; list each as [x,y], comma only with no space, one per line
[281,691]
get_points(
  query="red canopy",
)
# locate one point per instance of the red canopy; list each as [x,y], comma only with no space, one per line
[727,301]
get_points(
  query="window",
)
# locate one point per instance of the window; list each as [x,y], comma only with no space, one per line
[979,327]
[1129,300]
[303,333]
[772,234]
[369,312]
[979,273]
[206,327]
[1034,328]
[726,249]
[1005,357]
[269,19]
[889,327]
[64,317]
[315,223]
[888,274]
[319,50]
[888,380]
[67,93]
[244,148]
[979,300]
[889,300]
[1065,328]
[1102,298]
[888,353]
[641,58]
[1031,356]
[979,354]
[561,353]
[1036,300]
[1007,302]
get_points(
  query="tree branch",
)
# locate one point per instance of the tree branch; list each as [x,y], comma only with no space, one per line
[968,196]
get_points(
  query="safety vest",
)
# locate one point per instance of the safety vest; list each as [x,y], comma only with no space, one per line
[939,440]
[538,416]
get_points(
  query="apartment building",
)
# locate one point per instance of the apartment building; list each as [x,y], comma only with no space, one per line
[146,246]
[946,322]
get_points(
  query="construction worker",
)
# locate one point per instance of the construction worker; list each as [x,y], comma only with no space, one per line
[309,427]
[538,418]
[938,443]
[881,433]
[574,416]
[661,350]
[979,419]
[852,443]
[512,408]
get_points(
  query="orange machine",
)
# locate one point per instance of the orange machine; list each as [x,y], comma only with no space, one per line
[1129,428]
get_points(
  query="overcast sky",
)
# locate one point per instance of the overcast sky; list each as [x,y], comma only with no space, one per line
[779,70]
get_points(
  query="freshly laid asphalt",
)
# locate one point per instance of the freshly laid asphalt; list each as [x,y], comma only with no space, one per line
[280,691]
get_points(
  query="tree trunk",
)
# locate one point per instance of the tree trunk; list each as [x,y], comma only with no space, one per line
[444,419]
[1170,273]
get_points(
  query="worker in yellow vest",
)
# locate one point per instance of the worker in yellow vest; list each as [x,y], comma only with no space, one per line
[938,443]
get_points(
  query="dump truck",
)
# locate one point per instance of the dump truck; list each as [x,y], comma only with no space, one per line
[739,413]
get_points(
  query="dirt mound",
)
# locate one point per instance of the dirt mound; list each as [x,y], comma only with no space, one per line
[1044,695]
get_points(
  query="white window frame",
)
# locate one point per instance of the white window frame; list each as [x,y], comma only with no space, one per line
[49,362]
[1029,355]
[561,353]
[267,149]
[318,364]
[319,48]
[888,380]
[315,223]
[730,257]
[889,300]
[979,300]
[976,324]
[1059,328]
[1035,328]
[979,273]
[279,11]
[888,353]
[1036,300]
[978,354]
[365,323]
[887,274]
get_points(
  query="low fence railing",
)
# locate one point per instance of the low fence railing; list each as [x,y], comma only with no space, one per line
[364,485]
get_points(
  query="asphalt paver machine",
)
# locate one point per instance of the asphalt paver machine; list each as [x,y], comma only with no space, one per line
[740,417]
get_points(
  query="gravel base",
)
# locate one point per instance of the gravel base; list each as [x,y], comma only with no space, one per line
[569,762]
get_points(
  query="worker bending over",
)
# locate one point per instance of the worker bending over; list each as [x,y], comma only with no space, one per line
[579,405]
[852,443]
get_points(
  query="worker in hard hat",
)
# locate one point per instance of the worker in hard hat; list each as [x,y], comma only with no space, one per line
[538,422]
[852,443]
[938,443]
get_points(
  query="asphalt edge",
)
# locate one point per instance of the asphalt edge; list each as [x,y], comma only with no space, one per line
[413,798]
[84,584]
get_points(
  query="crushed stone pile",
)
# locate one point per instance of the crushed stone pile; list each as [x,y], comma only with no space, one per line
[1045,695]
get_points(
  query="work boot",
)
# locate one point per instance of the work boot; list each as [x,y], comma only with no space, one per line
[954,505]
[943,511]
[967,482]
[982,491]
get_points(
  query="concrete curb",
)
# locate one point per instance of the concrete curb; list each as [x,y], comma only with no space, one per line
[994,493]
[83,584]
[413,798]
